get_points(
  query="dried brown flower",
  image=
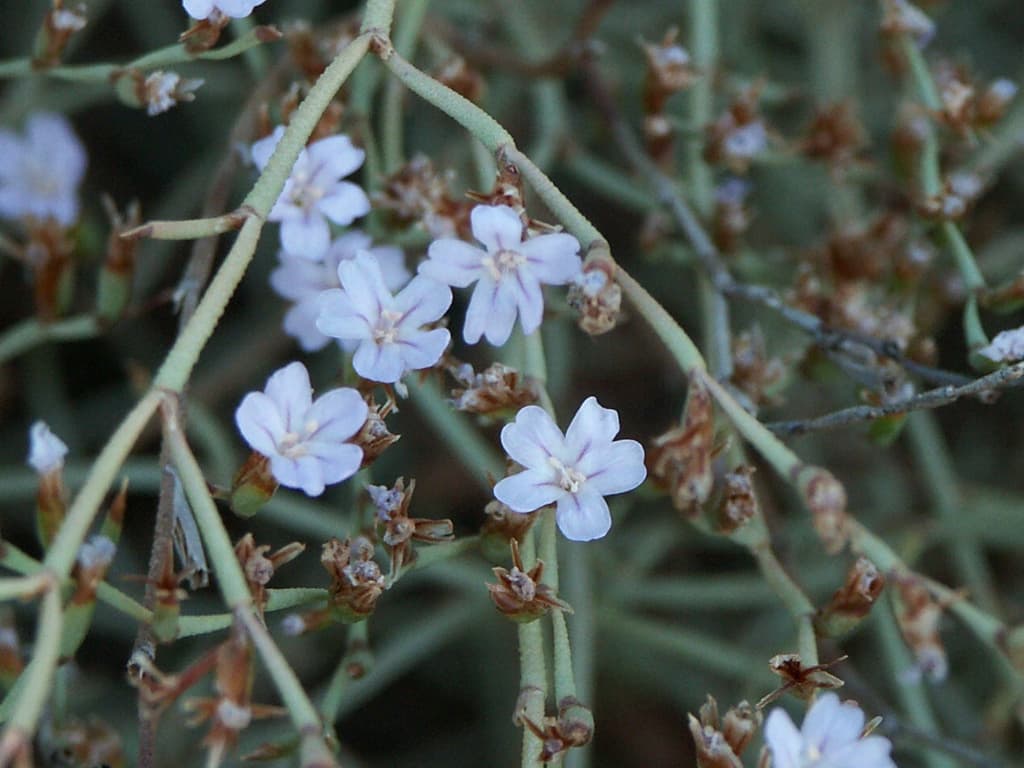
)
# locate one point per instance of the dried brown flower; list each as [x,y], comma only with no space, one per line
[825,497]
[853,601]
[739,503]
[520,594]
[595,295]
[399,530]
[417,193]
[259,567]
[720,743]
[753,372]
[495,390]
[835,135]
[800,680]
[59,24]
[919,615]
[680,459]
[356,580]
[573,727]
[374,437]
[739,135]
[78,742]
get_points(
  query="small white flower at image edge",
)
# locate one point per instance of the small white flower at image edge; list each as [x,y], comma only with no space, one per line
[1006,347]
[314,192]
[388,329]
[830,737]
[508,272]
[575,471]
[46,451]
[305,440]
[40,172]
[236,9]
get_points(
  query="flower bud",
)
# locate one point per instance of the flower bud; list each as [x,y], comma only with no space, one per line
[115,282]
[59,25]
[253,486]
[46,457]
[851,602]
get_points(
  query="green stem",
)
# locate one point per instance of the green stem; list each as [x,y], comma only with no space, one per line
[378,17]
[30,333]
[532,672]
[793,598]
[407,32]
[358,639]
[36,681]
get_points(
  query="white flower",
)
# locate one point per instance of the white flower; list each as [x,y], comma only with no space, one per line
[313,191]
[204,9]
[388,328]
[97,552]
[302,281]
[576,470]
[40,173]
[305,440]
[509,273]
[46,451]
[165,89]
[830,737]
[1006,347]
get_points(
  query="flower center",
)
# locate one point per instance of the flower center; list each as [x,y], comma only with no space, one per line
[304,193]
[386,331]
[502,263]
[292,446]
[569,478]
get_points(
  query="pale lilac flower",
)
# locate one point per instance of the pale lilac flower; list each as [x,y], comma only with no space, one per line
[508,272]
[46,451]
[389,328]
[164,90]
[1006,347]
[304,439]
[302,281]
[40,173]
[576,470]
[830,737]
[314,192]
[204,9]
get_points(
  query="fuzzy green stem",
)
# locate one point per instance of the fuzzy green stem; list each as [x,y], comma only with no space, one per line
[793,598]
[30,333]
[378,17]
[532,673]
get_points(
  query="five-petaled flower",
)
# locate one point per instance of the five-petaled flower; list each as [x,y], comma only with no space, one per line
[204,9]
[40,173]
[389,328]
[305,440]
[830,737]
[576,470]
[315,192]
[509,272]
[302,281]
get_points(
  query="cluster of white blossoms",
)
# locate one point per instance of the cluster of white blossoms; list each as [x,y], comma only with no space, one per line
[40,171]
[1006,347]
[831,737]
[204,9]
[361,295]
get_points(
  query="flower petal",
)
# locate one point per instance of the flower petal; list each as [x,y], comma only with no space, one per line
[336,317]
[492,311]
[783,739]
[553,258]
[260,423]
[363,283]
[527,491]
[616,468]
[296,277]
[338,461]
[300,324]
[344,203]
[424,348]
[583,516]
[422,301]
[453,262]
[529,299]
[264,148]
[306,235]
[593,426]
[304,473]
[334,158]
[532,439]
[337,416]
[291,393]
[379,362]
[830,724]
[498,227]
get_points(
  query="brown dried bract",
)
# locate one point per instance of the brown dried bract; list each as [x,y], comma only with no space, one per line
[520,594]
[753,372]
[835,136]
[356,580]
[739,502]
[398,530]
[720,742]
[374,437]
[825,497]
[919,615]
[739,135]
[800,680]
[680,459]
[853,601]
[498,388]
[59,24]
[259,567]
[595,295]
[573,727]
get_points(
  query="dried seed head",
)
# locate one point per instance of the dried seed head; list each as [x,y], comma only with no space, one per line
[753,372]
[853,601]
[59,25]
[825,497]
[801,680]
[919,615]
[680,459]
[374,437]
[520,594]
[417,193]
[739,726]
[835,135]
[739,135]
[595,295]
[493,391]
[713,751]
[732,217]
[669,70]
[259,567]
[959,192]
[739,504]
[399,530]
[356,580]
